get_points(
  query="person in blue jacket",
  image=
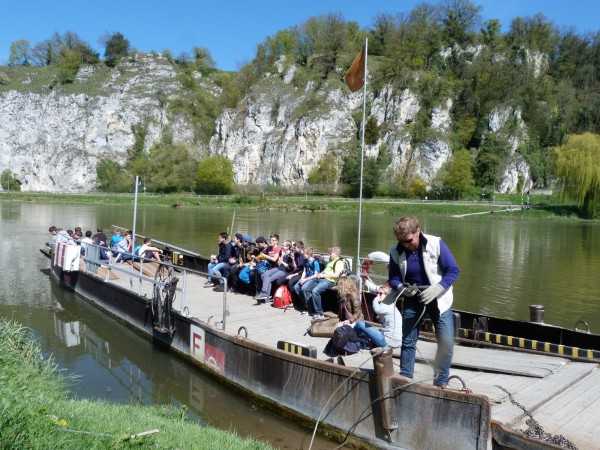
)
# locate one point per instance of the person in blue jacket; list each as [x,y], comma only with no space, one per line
[424,260]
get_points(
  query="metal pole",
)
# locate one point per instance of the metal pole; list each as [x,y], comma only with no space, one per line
[362,161]
[137,178]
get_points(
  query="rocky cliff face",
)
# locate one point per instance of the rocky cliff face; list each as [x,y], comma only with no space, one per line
[52,140]
[270,142]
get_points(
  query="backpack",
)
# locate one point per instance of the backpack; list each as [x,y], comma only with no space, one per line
[347,270]
[344,340]
[136,250]
[282,297]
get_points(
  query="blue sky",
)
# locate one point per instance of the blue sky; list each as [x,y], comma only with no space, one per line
[231,29]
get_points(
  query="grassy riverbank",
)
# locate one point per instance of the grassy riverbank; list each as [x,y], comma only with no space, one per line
[36,412]
[546,207]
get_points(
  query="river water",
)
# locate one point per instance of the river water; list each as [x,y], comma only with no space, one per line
[506,265]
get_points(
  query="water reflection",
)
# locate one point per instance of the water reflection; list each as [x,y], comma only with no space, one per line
[115,364]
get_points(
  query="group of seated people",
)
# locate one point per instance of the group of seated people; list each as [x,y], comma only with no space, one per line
[263,264]
[260,266]
[119,243]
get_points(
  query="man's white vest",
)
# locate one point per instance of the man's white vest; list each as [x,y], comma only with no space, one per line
[431,254]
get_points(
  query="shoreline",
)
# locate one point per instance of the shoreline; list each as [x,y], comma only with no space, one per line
[39,413]
[376,206]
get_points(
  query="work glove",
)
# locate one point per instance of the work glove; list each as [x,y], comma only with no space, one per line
[408,290]
[431,293]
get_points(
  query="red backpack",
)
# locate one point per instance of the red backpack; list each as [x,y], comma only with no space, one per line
[282,297]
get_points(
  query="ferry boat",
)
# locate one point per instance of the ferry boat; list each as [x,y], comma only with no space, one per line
[504,372]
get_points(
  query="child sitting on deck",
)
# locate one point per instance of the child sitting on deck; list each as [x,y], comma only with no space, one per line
[307,279]
[147,251]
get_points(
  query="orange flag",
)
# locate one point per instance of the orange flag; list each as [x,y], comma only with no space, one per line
[355,78]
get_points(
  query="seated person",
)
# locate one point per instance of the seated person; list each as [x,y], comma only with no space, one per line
[284,266]
[246,257]
[85,241]
[297,268]
[124,246]
[324,280]
[97,251]
[390,333]
[115,239]
[233,263]
[102,239]
[350,310]
[268,258]
[219,261]
[60,236]
[308,279]
[147,251]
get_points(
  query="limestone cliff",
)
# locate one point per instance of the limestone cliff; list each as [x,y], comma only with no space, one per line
[275,138]
[52,139]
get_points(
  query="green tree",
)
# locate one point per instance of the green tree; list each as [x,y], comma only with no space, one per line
[326,171]
[215,175]
[203,58]
[19,53]
[459,173]
[113,178]
[577,164]
[535,33]
[371,131]
[537,159]
[171,168]
[306,37]
[417,188]
[51,51]
[351,175]
[70,62]
[460,17]
[382,32]
[8,181]
[43,54]
[491,33]
[330,44]
[488,161]
[115,47]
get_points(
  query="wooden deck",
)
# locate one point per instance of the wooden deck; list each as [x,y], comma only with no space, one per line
[562,395]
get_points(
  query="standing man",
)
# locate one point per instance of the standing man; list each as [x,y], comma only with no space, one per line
[424,260]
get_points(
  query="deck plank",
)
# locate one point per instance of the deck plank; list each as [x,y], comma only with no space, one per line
[542,391]
[574,412]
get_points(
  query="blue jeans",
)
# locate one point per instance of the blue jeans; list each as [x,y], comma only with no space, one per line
[363,329]
[313,297]
[304,290]
[444,333]
[215,269]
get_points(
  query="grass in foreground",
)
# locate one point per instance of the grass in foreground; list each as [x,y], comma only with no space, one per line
[36,413]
